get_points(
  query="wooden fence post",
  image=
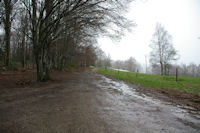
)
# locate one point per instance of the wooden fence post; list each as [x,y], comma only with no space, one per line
[176,74]
[137,73]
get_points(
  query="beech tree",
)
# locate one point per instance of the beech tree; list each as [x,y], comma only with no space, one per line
[163,52]
[71,21]
[7,16]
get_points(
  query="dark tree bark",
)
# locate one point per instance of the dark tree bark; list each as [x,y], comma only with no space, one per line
[23,51]
[7,28]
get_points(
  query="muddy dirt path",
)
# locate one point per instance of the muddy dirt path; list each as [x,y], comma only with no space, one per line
[86,102]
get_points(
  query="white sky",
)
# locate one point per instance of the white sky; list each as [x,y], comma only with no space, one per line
[181,19]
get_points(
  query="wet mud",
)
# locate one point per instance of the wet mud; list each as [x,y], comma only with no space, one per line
[86,102]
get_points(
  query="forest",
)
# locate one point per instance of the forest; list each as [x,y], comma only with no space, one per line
[55,34]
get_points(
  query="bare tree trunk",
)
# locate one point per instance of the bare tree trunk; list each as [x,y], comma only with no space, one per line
[165,69]
[27,57]
[7,41]
[7,28]
[176,74]
[40,49]
[38,68]
[23,51]
[35,38]
[45,64]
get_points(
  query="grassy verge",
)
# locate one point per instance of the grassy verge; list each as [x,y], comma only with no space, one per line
[184,84]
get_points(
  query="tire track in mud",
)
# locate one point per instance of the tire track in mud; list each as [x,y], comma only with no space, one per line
[86,102]
[151,115]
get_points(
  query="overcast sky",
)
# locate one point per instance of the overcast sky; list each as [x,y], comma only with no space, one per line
[181,18]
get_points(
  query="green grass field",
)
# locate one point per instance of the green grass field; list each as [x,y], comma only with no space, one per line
[185,84]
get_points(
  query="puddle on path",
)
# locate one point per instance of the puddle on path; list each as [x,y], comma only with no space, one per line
[173,111]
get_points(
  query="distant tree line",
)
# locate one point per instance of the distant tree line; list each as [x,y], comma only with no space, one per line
[52,34]
[130,65]
[191,70]
[104,60]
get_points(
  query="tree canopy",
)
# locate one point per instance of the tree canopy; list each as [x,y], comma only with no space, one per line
[55,32]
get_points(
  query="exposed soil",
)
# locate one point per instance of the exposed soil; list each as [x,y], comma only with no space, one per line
[177,98]
[86,102]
